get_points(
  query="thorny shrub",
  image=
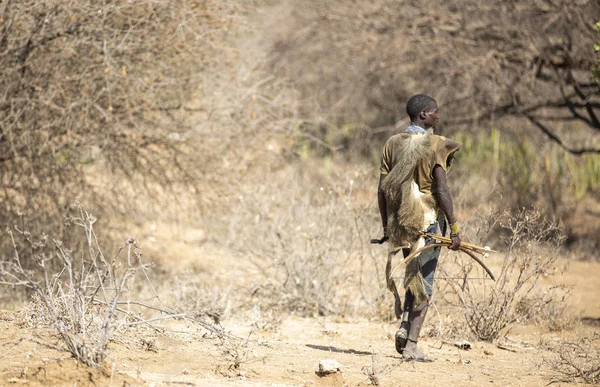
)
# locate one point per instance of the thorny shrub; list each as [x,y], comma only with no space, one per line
[85,295]
[532,248]
[375,373]
[235,353]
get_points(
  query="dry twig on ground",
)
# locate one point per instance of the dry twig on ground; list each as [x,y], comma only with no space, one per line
[375,373]
[577,359]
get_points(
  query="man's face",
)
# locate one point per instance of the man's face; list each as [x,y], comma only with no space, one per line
[431,117]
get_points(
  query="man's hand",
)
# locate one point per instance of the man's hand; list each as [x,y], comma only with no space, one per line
[455,242]
[455,236]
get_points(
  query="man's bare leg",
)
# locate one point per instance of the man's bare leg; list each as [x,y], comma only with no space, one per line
[402,334]
[391,284]
[416,319]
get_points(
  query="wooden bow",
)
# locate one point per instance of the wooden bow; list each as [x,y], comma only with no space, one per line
[466,248]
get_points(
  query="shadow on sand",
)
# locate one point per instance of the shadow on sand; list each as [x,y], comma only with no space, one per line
[337,350]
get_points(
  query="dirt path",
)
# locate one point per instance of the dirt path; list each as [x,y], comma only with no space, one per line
[182,356]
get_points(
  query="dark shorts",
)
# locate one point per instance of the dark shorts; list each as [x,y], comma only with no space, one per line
[429,260]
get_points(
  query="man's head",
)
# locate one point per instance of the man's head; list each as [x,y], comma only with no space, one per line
[423,111]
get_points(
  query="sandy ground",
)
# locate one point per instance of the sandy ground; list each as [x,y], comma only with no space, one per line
[182,356]
[186,354]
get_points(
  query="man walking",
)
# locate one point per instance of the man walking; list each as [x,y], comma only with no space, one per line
[412,191]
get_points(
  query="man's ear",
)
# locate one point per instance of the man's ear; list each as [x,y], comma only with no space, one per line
[422,115]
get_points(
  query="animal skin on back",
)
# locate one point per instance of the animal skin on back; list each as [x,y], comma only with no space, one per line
[408,209]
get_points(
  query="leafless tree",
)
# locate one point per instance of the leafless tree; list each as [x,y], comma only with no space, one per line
[87,84]
[529,59]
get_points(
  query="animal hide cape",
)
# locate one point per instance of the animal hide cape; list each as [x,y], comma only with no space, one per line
[408,209]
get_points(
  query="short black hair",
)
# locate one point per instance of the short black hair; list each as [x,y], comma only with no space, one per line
[417,103]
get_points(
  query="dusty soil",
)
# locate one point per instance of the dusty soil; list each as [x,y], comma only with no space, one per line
[288,355]
[288,358]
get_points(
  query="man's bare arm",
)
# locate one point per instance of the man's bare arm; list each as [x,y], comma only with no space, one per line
[382,206]
[445,202]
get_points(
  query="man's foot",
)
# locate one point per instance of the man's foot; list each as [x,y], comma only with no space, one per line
[402,336]
[413,353]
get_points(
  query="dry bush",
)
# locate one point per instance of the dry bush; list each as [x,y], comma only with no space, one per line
[112,88]
[265,319]
[86,296]
[80,300]
[196,299]
[533,246]
[235,353]
[577,360]
[551,310]
[310,243]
